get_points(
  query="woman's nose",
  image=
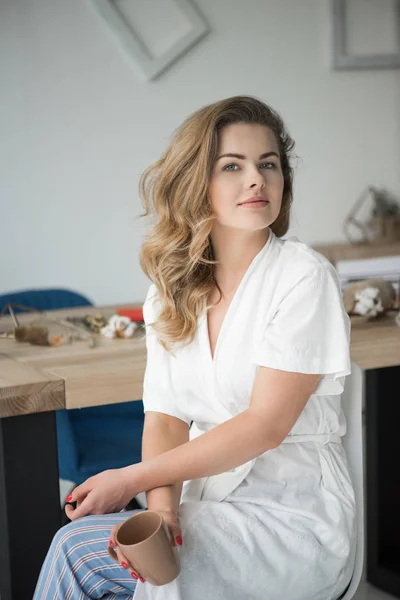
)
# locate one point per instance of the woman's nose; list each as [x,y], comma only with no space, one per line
[257,184]
[256,180]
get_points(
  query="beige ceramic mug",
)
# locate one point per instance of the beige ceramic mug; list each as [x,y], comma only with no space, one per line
[145,541]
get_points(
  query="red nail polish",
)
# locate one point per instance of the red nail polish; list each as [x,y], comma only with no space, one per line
[124,565]
[134,575]
[142,580]
[111,544]
[179,540]
[68,498]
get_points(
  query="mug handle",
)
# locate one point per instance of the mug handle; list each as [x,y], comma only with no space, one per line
[112,553]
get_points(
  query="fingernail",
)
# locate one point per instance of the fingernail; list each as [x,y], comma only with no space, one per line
[142,580]
[134,575]
[179,540]
[68,498]
[124,565]
[111,544]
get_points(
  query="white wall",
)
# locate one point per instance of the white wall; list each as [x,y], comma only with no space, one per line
[78,127]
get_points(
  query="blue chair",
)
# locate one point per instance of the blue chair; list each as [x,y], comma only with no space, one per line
[93,439]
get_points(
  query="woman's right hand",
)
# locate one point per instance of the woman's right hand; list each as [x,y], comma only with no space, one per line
[171,520]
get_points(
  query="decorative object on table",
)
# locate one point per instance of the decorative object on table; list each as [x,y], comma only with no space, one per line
[155,34]
[35,333]
[135,314]
[383,225]
[385,219]
[42,331]
[369,297]
[92,323]
[119,327]
[366,35]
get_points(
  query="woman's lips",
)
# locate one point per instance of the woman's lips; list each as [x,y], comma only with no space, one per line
[255,204]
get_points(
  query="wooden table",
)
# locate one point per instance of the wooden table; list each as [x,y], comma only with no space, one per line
[376,349]
[36,381]
[40,378]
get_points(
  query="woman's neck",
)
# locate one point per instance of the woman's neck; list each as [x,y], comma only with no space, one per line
[235,250]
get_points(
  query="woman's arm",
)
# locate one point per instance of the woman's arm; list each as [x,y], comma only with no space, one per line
[277,400]
[162,433]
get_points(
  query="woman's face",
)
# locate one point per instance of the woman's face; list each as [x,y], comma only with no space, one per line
[246,184]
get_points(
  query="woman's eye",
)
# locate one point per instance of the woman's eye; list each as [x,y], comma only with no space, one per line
[234,167]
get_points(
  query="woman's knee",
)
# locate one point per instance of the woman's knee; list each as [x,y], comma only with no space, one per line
[67,535]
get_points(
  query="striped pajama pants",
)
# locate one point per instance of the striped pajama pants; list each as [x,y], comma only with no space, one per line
[78,566]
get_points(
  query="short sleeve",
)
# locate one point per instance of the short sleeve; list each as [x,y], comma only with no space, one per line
[158,393]
[310,331]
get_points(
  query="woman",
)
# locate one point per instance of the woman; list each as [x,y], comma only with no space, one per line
[248,339]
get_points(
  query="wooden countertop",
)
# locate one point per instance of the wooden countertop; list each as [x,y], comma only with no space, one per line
[37,378]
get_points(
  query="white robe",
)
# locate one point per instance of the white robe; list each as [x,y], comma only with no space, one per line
[283,524]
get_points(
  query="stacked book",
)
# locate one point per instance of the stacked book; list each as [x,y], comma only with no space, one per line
[385,267]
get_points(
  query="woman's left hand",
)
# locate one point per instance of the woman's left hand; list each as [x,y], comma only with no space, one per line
[109,491]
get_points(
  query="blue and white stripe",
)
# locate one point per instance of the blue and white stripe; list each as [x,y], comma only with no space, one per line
[78,566]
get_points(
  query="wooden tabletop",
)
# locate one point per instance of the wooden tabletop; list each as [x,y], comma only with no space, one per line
[38,378]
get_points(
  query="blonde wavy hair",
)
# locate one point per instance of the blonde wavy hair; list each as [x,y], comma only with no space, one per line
[177,253]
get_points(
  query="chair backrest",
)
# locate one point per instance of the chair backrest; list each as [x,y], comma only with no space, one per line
[44,299]
[352,403]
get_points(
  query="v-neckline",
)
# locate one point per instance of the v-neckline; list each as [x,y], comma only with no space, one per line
[233,301]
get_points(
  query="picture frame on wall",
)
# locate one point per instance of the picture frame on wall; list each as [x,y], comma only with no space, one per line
[153,35]
[366,34]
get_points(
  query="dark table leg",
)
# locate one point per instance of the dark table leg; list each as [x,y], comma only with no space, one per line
[383,478]
[30,510]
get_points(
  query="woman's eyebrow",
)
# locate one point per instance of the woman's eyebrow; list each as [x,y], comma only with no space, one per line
[242,156]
